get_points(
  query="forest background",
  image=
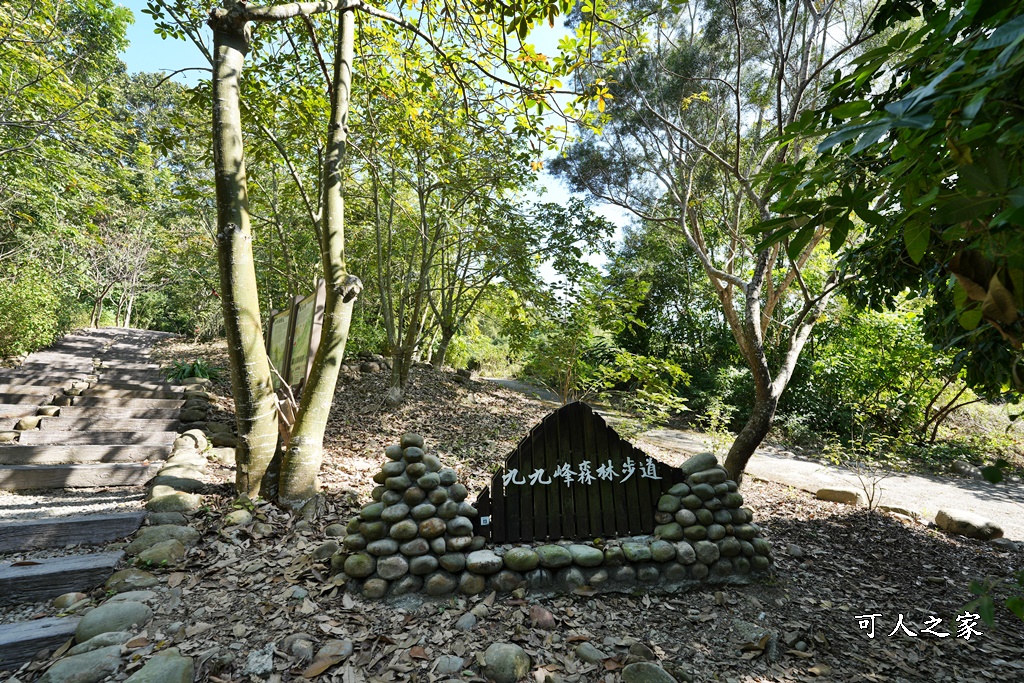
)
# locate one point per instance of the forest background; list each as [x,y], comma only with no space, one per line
[107,214]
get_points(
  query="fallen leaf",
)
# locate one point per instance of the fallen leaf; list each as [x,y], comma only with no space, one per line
[418,652]
[320,666]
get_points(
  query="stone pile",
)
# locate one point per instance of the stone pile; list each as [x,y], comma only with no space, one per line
[417,536]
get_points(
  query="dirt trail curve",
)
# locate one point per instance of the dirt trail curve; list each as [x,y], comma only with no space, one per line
[924,494]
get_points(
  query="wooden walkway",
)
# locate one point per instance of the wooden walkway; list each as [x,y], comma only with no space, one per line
[92,411]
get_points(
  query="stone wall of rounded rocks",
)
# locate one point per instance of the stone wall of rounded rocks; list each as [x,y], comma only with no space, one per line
[417,537]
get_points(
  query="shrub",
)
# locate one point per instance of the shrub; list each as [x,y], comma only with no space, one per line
[32,311]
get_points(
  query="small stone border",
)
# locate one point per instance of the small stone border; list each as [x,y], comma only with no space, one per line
[417,537]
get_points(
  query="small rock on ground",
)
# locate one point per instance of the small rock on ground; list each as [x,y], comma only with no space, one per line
[505,662]
[646,672]
[167,667]
[89,667]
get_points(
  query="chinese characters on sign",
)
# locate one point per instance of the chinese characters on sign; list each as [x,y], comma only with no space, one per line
[966,624]
[584,474]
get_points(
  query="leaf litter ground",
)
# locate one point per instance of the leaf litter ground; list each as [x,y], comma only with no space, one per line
[244,590]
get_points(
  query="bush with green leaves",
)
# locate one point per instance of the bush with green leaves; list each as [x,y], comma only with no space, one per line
[201,368]
[32,310]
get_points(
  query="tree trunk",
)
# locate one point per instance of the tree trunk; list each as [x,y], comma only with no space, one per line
[437,360]
[401,362]
[751,436]
[255,401]
[304,455]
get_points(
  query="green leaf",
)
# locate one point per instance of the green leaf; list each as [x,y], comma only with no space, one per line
[970,319]
[800,240]
[1016,605]
[848,110]
[916,235]
[837,238]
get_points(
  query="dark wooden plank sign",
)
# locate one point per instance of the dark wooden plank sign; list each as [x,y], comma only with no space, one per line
[573,476]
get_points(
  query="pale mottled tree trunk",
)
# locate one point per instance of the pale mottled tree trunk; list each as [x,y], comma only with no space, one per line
[255,402]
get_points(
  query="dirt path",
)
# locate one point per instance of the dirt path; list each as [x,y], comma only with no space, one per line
[921,493]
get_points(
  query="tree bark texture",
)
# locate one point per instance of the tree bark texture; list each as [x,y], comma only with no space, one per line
[304,455]
[255,401]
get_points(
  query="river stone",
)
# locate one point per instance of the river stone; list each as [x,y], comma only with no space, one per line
[431,528]
[422,565]
[846,496]
[741,565]
[460,526]
[522,559]
[88,667]
[586,556]
[478,543]
[393,452]
[429,481]
[646,672]
[729,546]
[712,476]
[472,584]
[243,517]
[440,583]
[553,556]
[483,562]
[411,440]
[416,470]
[761,547]
[732,500]
[372,512]
[325,550]
[390,497]
[382,547]
[438,496]
[379,478]
[438,546]
[395,513]
[636,552]
[413,454]
[163,553]
[505,663]
[647,574]
[360,565]
[466,622]
[714,505]
[162,518]
[354,542]
[506,581]
[392,567]
[375,588]
[458,543]
[745,532]
[192,415]
[173,501]
[393,469]
[706,552]
[662,551]
[613,556]
[130,579]
[721,569]
[415,547]
[68,599]
[624,574]
[407,584]
[102,640]
[458,492]
[449,664]
[698,571]
[151,535]
[453,562]
[674,573]
[588,653]
[685,553]
[404,530]
[723,517]
[112,616]
[448,510]
[699,463]
[432,462]
[759,563]
[467,510]
[669,532]
[705,517]
[540,579]
[399,483]
[691,502]
[662,517]
[167,666]
[679,490]
[963,523]
[570,578]
[448,476]
[414,495]
[685,518]
[703,491]
[746,548]
[716,532]
[668,503]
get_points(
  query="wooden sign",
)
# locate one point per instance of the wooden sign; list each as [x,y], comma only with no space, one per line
[294,336]
[573,476]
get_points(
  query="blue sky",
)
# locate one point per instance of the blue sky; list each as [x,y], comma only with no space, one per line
[150,52]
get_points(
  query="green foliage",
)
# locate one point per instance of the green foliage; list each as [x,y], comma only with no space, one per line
[198,368]
[32,310]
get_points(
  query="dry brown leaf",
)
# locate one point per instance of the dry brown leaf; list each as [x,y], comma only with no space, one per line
[174,579]
[820,670]
[612,664]
[319,666]
[417,652]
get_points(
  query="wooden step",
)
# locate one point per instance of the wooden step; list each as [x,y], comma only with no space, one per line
[34,389]
[20,641]
[21,477]
[29,376]
[64,424]
[9,412]
[122,366]
[36,437]
[11,399]
[117,394]
[95,388]
[50,577]
[97,412]
[125,402]
[58,532]
[52,455]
